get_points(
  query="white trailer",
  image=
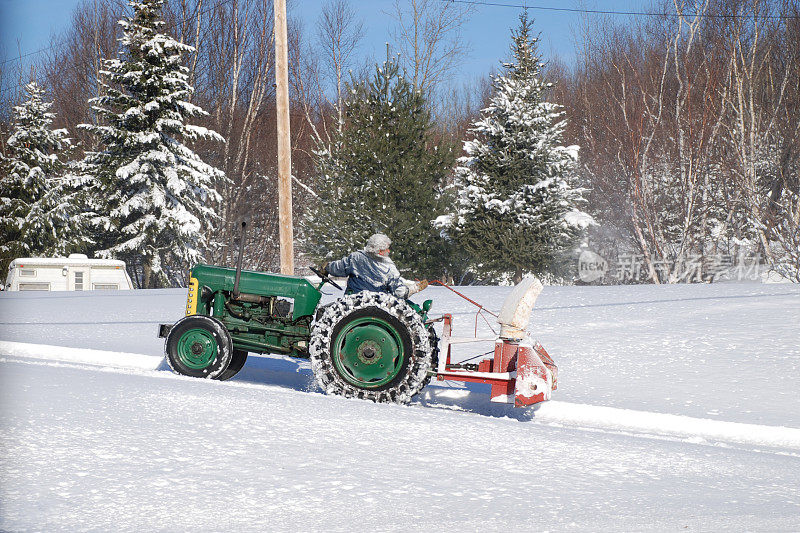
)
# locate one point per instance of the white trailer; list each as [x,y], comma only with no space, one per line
[74,273]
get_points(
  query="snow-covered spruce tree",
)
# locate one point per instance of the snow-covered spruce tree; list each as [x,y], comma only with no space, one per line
[382,172]
[154,197]
[39,214]
[517,210]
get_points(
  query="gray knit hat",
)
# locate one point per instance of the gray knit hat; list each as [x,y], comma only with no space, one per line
[377,242]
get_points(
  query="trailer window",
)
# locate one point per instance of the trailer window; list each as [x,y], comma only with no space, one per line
[34,286]
[105,286]
[79,281]
[27,272]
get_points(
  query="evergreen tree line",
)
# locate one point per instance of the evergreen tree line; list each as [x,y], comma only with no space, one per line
[142,195]
[230,69]
[507,208]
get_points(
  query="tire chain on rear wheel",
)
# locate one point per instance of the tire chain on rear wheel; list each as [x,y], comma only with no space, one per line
[433,339]
[328,378]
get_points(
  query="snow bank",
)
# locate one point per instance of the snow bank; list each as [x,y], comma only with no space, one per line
[555,413]
[694,430]
[135,361]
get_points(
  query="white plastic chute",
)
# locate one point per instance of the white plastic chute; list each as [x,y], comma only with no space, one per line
[516,312]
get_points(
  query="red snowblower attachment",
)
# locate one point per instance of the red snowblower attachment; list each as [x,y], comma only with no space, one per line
[521,371]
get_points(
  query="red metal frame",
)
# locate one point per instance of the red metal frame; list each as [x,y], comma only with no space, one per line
[519,373]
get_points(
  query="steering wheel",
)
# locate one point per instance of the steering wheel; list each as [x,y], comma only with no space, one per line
[325,278]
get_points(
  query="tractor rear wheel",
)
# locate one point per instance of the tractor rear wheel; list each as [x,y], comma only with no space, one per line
[372,346]
[433,338]
[237,362]
[199,346]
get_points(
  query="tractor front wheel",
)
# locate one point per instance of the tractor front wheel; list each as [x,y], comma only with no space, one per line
[199,346]
[372,346]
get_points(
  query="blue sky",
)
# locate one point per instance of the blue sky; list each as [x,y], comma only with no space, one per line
[26,26]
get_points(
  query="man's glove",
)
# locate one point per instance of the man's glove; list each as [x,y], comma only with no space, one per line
[421,284]
[323,269]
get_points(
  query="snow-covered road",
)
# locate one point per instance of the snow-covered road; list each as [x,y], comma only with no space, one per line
[677,408]
[115,451]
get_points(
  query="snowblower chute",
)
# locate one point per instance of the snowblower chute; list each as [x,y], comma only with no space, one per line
[521,371]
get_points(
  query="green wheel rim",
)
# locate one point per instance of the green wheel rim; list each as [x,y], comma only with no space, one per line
[197,348]
[368,353]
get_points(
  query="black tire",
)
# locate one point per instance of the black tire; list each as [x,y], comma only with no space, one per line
[237,362]
[212,358]
[433,339]
[413,343]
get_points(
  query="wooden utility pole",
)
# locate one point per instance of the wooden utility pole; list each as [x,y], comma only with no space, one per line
[284,142]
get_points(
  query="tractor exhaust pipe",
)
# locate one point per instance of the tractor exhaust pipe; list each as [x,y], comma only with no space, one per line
[239,262]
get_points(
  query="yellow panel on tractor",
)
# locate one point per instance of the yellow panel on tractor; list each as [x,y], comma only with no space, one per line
[191,299]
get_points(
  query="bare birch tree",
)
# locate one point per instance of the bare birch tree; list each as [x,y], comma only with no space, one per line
[339,32]
[428,37]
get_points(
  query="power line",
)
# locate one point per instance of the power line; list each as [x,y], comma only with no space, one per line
[168,27]
[56,44]
[492,4]
[623,13]
[18,58]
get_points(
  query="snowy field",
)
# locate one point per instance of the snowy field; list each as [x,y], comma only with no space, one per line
[677,409]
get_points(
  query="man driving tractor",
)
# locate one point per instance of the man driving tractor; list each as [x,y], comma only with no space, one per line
[371,269]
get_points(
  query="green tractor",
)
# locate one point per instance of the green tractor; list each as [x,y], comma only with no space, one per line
[366,345]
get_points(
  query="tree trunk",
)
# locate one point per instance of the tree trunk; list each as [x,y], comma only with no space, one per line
[147,274]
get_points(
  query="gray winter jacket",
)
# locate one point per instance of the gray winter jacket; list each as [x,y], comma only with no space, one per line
[370,272]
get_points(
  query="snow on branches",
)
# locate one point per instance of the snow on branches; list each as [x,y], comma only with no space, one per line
[38,211]
[154,197]
[517,209]
[380,171]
